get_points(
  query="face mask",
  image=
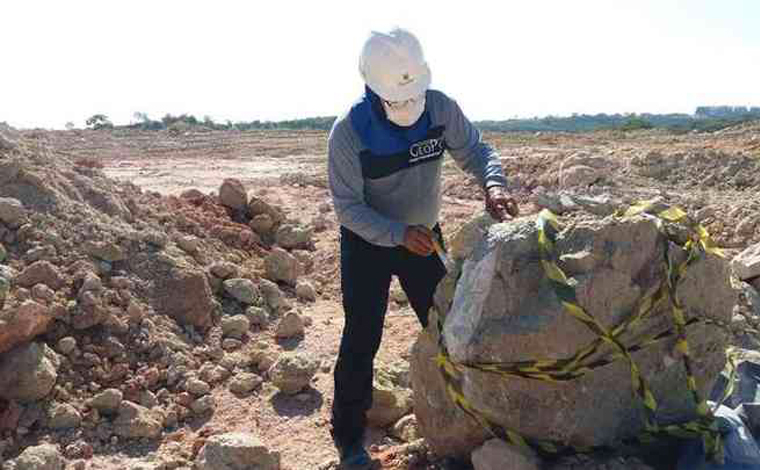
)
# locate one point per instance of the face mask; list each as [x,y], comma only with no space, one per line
[405,113]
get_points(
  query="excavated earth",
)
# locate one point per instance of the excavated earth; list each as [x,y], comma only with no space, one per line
[128,239]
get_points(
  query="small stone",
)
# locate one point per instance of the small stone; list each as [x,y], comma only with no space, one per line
[104,251]
[257,316]
[41,457]
[63,416]
[281,266]
[213,373]
[78,450]
[29,372]
[236,326]
[22,323]
[293,372]
[91,283]
[135,421]
[12,212]
[40,253]
[155,238]
[189,243]
[242,290]
[244,383]
[203,405]
[232,361]
[264,360]
[135,312]
[292,236]
[398,295]
[192,193]
[305,260]
[746,228]
[305,291]
[148,399]
[66,345]
[406,429]
[197,387]
[234,451]
[272,296]
[107,401]
[231,344]
[232,194]
[389,403]
[43,293]
[746,265]
[41,272]
[262,224]
[224,269]
[290,325]
[496,454]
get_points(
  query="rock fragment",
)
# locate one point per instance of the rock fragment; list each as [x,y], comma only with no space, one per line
[746,265]
[29,372]
[496,454]
[236,451]
[293,372]
[281,266]
[232,194]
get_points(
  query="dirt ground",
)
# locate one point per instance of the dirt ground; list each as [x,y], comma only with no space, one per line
[289,170]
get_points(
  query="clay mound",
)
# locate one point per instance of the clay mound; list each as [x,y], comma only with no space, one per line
[502,309]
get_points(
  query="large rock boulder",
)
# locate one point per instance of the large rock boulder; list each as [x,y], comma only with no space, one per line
[236,451]
[503,309]
[22,323]
[28,371]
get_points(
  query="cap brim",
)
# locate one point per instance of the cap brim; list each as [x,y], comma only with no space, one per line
[403,93]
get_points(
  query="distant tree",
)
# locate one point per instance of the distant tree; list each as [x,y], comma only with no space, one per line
[70,125]
[99,121]
[141,117]
[636,123]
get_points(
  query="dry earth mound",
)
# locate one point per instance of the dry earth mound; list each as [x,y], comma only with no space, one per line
[121,309]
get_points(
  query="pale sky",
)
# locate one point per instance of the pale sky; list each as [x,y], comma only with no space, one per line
[244,60]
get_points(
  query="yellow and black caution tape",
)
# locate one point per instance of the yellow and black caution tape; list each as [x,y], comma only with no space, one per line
[698,244]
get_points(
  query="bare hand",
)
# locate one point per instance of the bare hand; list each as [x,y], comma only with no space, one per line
[419,240]
[499,205]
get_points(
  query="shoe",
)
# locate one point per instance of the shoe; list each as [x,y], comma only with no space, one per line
[354,457]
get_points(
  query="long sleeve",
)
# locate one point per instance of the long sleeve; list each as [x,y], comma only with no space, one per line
[347,189]
[468,150]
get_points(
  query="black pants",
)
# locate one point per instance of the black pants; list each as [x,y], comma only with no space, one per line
[366,271]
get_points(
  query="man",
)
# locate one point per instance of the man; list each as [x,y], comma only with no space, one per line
[385,158]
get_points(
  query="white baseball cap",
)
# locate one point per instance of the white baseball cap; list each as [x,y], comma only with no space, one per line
[393,66]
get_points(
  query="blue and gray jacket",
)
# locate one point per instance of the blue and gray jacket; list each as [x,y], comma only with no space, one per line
[384,178]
